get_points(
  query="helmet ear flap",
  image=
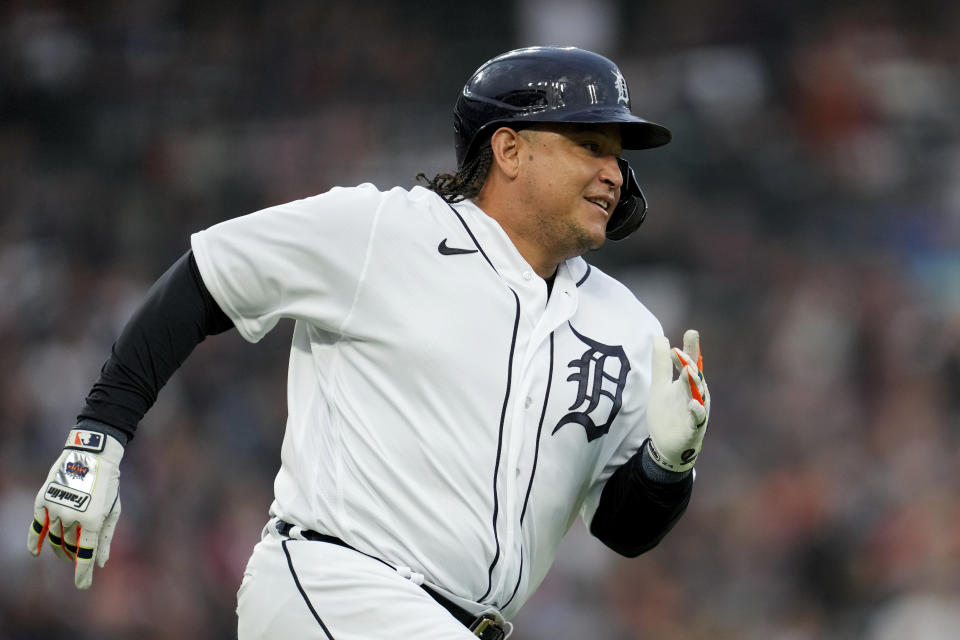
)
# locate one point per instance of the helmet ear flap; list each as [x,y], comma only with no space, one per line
[631,210]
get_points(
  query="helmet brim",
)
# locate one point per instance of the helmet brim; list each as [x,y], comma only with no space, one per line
[635,133]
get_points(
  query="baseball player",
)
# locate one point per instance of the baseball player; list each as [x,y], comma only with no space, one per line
[462,384]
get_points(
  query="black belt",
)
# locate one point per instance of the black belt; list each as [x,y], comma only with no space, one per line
[484,626]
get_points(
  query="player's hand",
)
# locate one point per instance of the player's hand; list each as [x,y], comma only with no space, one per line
[679,409]
[78,506]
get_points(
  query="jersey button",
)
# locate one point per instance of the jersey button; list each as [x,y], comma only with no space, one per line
[527,275]
[527,402]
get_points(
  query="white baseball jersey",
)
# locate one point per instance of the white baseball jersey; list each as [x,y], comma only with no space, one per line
[445,414]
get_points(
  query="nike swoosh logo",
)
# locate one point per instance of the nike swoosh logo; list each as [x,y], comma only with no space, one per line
[452,251]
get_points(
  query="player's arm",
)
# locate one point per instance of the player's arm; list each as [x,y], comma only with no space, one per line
[640,504]
[177,315]
[78,505]
[645,497]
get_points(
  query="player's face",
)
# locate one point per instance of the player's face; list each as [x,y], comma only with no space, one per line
[572,183]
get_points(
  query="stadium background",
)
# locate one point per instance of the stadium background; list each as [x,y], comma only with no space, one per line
[806,219]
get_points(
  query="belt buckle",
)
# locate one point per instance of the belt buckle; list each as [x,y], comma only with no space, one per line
[486,627]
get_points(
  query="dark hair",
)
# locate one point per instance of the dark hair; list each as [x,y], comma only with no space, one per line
[466,182]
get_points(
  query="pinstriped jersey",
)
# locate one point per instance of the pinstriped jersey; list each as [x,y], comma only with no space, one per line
[444,412]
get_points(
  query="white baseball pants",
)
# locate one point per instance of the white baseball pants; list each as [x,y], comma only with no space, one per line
[316,590]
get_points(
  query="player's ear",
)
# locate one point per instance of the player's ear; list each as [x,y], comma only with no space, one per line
[505,144]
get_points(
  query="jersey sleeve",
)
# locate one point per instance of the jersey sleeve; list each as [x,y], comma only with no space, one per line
[302,260]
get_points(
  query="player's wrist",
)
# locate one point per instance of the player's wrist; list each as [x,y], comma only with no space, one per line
[680,462]
[92,424]
[657,472]
[96,442]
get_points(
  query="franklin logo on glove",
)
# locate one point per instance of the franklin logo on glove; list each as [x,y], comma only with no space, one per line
[64,496]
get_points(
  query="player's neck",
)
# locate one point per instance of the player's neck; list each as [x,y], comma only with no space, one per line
[543,262]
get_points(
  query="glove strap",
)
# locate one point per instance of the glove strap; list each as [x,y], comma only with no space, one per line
[85,440]
[690,458]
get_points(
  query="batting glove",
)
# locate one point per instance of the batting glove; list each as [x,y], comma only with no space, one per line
[679,409]
[78,506]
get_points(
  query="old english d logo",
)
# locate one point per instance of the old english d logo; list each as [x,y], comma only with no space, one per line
[600,372]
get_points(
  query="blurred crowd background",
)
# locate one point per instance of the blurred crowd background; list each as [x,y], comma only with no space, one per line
[806,219]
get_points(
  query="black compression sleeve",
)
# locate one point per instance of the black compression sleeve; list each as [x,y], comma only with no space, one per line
[176,316]
[636,511]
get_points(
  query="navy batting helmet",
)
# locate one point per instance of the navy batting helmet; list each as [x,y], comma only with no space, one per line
[556,84]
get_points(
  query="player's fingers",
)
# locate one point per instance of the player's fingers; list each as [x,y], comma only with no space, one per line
[86,542]
[694,382]
[55,536]
[681,359]
[71,536]
[701,382]
[38,531]
[661,367]
[699,413]
[106,534]
[689,372]
[84,556]
[691,344]
[83,573]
